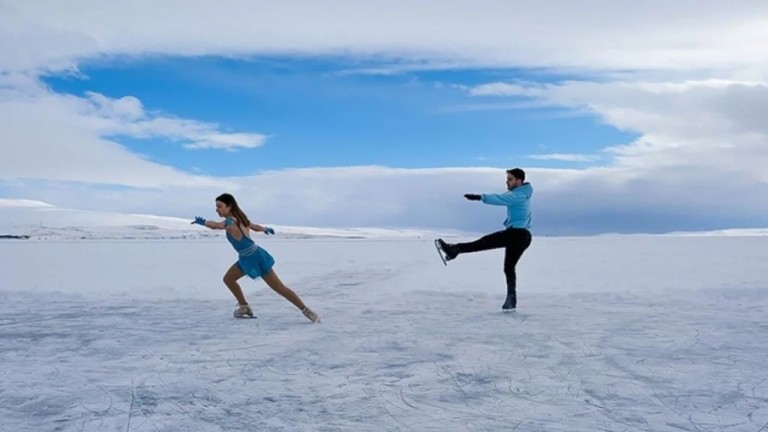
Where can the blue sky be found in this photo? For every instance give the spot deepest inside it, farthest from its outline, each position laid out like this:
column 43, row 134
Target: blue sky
column 327, row 112
column 627, row 117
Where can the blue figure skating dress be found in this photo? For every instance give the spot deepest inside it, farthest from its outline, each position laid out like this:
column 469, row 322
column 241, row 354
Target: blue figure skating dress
column 253, row 260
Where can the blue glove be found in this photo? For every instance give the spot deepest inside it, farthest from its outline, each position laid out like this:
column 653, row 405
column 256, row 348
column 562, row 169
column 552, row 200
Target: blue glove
column 269, row 231
column 198, row 220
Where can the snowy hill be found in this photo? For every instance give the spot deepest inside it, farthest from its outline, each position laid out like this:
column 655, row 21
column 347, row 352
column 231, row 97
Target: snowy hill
column 736, row 232
column 38, row 220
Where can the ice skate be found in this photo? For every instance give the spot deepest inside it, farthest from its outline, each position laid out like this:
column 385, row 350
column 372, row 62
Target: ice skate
column 447, row 251
column 243, row 311
column 510, row 303
column 311, row 315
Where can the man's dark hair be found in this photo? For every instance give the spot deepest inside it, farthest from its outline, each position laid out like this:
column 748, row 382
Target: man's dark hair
column 517, row 173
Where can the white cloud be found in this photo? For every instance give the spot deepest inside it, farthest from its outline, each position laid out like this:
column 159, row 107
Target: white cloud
column 512, row 106
column 196, row 135
column 126, row 116
column 690, row 82
column 687, row 127
column 127, row 108
column 505, row 89
column 66, row 138
column 566, row 157
column 592, row 35
column 700, row 155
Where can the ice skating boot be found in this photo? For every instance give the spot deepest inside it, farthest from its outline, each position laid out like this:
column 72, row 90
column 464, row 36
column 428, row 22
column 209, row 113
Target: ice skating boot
column 510, row 303
column 311, row 315
column 449, row 250
column 243, row 311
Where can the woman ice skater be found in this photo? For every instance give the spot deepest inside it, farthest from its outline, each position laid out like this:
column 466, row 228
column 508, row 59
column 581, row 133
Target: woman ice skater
column 253, row 260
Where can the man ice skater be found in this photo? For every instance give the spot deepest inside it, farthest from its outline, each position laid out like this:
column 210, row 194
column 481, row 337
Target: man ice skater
column 515, row 238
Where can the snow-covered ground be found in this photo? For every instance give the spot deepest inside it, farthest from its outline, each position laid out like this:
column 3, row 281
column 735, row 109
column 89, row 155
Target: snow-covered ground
column 613, row 333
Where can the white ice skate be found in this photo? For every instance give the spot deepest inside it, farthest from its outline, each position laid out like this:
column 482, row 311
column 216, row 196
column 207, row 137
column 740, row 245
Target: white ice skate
column 311, row 315
column 244, row 311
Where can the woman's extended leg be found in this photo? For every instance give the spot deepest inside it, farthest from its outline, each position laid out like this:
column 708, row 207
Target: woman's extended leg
column 279, row 287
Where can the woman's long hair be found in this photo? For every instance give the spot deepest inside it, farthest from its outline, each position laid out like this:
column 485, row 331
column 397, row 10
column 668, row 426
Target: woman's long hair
column 238, row 214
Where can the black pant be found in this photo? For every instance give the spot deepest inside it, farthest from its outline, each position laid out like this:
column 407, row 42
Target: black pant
column 514, row 240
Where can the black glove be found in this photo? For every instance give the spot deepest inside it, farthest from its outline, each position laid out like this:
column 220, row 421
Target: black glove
column 473, row 197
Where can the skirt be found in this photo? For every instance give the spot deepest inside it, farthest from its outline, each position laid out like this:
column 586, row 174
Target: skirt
column 256, row 264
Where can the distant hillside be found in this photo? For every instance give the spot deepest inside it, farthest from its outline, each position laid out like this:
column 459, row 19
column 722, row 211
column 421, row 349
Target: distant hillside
column 735, row 232
column 36, row 220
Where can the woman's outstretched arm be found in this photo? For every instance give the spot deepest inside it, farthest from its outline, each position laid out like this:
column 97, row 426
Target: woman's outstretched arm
column 208, row 224
column 261, row 228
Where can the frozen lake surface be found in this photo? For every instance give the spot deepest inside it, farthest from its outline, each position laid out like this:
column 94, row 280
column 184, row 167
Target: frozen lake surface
column 625, row 333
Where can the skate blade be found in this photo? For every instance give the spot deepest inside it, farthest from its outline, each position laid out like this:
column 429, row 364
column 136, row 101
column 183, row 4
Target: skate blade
column 440, row 253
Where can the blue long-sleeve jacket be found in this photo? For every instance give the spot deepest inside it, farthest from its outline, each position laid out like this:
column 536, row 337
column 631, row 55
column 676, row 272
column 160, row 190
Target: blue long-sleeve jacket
column 518, row 202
